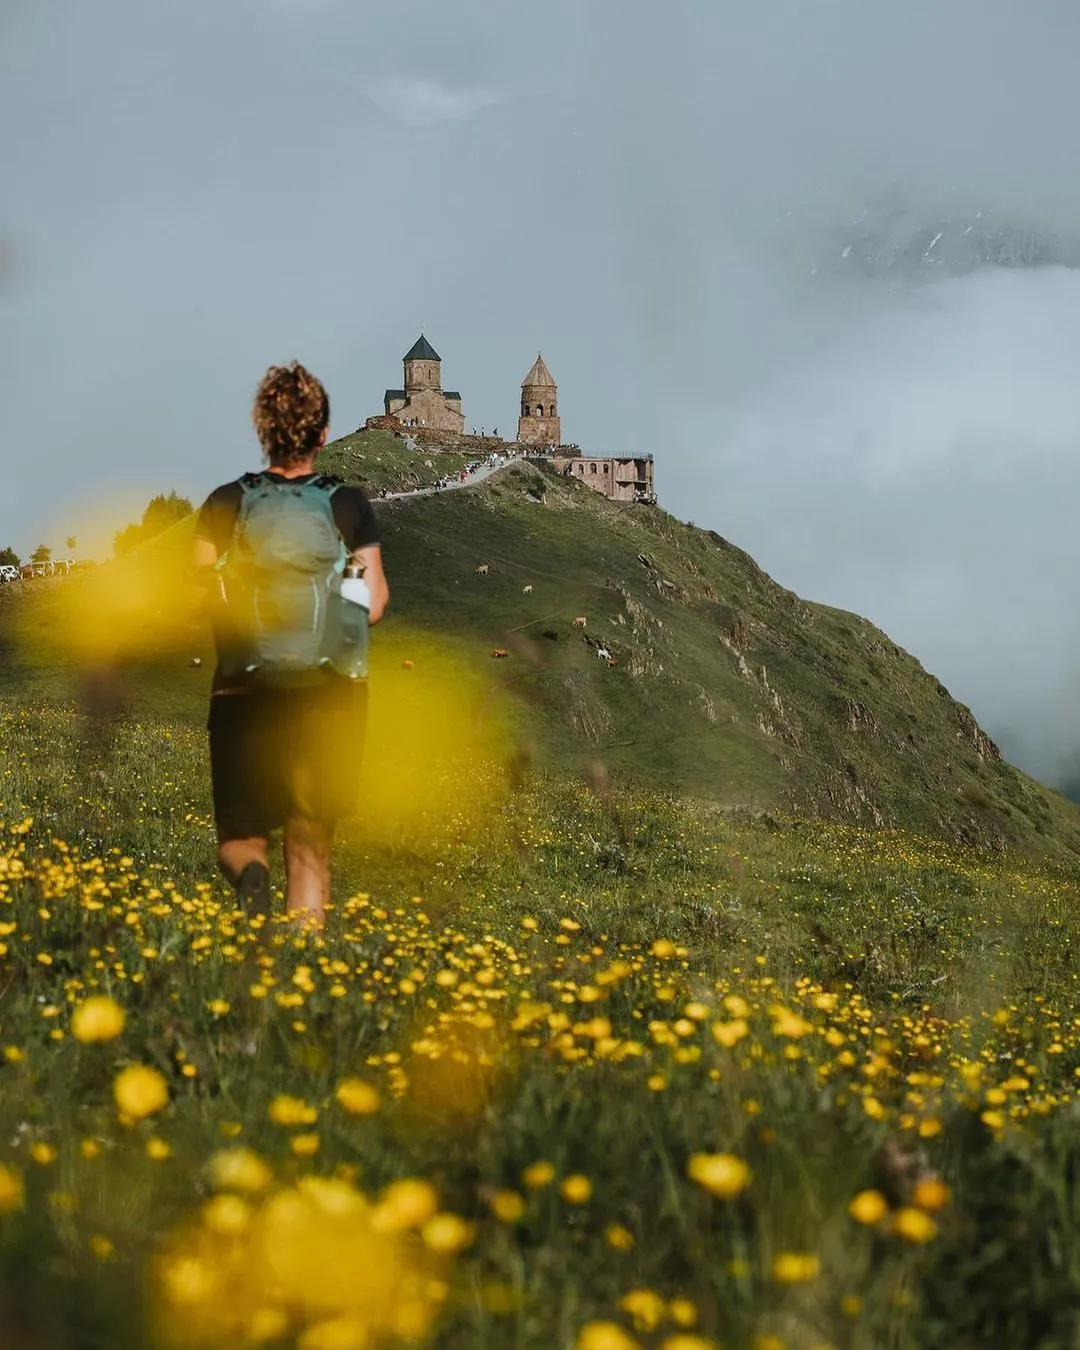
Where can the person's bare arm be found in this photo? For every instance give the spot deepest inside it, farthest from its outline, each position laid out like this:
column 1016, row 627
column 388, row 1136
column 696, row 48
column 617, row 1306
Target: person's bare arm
column 203, row 557
column 370, row 559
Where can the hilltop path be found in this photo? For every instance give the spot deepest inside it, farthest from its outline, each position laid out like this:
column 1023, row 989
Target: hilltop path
column 477, row 476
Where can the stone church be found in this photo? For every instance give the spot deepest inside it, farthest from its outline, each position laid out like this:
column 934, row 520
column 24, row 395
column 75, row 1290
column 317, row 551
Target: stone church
column 538, row 424
column 423, row 402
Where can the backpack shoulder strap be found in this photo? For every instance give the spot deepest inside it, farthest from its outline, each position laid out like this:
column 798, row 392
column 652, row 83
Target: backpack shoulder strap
column 328, row 483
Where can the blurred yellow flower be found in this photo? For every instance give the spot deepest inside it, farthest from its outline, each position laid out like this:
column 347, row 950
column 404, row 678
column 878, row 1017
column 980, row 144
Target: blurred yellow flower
column 139, row 1091
column 11, row 1190
column 97, row 1019
column 538, row 1175
column 663, row 948
column 788, row 1023
column 914, row 1225
column 403, row 1205
column 685, row 1340
column 682, row 1312
column 619, row 1238
column 157, row 1149
column 43, row 1154
column 357, row 1097
column 290, row 1111
column 930, row 1195
column 645, row 1306
column 576, row 1189
column 507, row 1206
column 226, row 1214
column 447, row 1233
column 239, row 1169
column 304, row 1145
column 795, row 1267
column 722, row 1174
column 868, row 1207
column 728, row 1034
column 605, row 1336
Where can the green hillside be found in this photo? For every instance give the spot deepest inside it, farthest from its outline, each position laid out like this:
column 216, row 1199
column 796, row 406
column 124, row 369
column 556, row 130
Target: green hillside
column 721, row 684
column 725, row 685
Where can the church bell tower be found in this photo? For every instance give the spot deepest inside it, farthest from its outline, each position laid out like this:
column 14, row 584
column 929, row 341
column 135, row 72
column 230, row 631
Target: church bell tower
column 538, row 424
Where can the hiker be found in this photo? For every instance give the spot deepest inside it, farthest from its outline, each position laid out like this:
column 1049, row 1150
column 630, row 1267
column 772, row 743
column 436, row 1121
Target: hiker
column 289, row 697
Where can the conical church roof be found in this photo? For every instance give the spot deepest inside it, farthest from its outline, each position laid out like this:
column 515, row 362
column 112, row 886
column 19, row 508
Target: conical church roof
column 539, row 375
column 422, row 350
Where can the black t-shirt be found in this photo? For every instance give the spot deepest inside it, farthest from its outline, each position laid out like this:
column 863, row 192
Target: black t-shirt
column 216, row 521
column 353, row 513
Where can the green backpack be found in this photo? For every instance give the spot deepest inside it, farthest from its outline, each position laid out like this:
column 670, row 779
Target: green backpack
column 281, row 577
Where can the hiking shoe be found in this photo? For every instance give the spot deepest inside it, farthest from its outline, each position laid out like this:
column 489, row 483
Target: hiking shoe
column 253, row 890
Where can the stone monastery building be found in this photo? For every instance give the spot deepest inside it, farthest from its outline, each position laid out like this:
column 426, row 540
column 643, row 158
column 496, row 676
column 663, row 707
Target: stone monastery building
column 539, row 421
column 424, row 403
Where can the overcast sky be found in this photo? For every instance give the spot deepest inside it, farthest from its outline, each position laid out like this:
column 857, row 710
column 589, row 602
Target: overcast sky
column 716, row 221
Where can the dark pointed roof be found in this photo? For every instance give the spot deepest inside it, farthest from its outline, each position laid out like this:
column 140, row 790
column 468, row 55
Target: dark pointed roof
column 422, row 350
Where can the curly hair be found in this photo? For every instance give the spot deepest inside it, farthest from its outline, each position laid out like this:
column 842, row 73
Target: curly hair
column 291, row 413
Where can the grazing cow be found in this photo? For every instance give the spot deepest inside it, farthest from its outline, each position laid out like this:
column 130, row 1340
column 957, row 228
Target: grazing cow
column 611, row 661
column 482, row 570
column 406, row 665
column 603, row 654
column 579, row 622
column 526, row 590
column 499, row 651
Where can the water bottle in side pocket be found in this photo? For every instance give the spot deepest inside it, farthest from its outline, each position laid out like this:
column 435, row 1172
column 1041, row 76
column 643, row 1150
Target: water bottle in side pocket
column 356, row 602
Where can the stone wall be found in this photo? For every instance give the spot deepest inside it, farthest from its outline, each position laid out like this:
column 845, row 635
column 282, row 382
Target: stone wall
column 429, row 409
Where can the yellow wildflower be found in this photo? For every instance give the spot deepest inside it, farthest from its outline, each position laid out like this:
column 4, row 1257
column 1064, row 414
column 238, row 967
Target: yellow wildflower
column 914, row 1225
column 576, row 1189
column 645, row 1306
column 868, row 1207
column 538, row 1175
column 795, row 1267
column 617, row 1237
column 139, row 1091
column 447, row 1233
column 507, row 1206
column 930, row 1195
column 239, row 1169
column 11, row 1190
column 404, row 1204
column 605, row 1336
column 97, row 1019
column 722, row 1174
column 289, row 1111
column 357, row 1097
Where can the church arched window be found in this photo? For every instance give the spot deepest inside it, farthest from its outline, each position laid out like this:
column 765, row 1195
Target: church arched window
column 524, row 410
column 539, row 410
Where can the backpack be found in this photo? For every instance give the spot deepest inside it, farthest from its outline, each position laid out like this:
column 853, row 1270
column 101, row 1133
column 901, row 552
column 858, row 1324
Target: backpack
column 281, row 578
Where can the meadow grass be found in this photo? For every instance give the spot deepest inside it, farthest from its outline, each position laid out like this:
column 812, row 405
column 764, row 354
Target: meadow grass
column 637, row 1057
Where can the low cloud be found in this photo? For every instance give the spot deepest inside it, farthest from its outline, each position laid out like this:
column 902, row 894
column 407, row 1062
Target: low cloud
column 420, row 101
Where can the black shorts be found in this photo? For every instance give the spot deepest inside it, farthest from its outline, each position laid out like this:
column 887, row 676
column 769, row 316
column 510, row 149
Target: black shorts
column 281, row 753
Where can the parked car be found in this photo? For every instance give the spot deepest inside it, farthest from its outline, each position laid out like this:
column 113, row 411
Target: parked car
column 9, row 572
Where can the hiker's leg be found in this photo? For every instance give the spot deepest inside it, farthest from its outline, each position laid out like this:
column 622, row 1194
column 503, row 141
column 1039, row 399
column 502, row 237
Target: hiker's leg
column 235, row 854
column 307, row 868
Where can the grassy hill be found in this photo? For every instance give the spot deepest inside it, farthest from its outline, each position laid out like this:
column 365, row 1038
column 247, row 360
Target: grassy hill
column 721, row 684
column 674, row 1076
column 725, row 685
